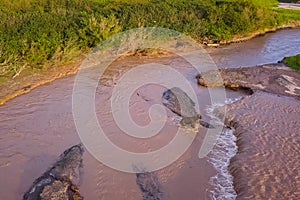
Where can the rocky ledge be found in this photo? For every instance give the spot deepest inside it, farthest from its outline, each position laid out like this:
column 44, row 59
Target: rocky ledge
column 274, row 78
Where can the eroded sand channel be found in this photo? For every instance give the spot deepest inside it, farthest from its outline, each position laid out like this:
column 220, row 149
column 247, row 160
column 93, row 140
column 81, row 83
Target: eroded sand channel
column 267, row 163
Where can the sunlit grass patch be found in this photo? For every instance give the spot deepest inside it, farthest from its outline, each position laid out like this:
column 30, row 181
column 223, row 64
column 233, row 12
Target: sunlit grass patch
column 293, row 62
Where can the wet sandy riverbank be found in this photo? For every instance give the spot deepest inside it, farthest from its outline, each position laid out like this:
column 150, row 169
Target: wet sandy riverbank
column 267, row 125
column 28, row 80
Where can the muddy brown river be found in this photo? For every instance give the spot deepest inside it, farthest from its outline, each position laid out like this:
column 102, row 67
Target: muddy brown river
column 35, row 128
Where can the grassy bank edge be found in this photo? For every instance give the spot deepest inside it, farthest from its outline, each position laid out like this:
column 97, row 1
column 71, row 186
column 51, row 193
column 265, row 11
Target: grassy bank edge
column 27, row 82
column 243, row 38
column 293, row 62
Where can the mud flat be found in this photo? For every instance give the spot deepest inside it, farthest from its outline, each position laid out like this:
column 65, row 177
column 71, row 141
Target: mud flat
column 266, row 123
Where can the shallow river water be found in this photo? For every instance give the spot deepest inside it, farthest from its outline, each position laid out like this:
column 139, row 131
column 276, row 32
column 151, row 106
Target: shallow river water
column 35, row 128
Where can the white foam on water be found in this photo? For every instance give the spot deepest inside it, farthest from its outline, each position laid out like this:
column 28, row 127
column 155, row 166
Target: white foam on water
column 176, row 119
column 231, row 101
column 220, row 156
column 224, row 149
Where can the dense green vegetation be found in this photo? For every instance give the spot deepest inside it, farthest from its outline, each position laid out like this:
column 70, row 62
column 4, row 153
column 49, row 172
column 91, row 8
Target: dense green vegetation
column 42, row 33
column 293, row 62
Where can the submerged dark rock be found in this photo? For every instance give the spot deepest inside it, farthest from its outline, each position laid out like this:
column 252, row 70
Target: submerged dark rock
column 205, row 124
column 149, row 185
column 56, row 183
column 180, row 103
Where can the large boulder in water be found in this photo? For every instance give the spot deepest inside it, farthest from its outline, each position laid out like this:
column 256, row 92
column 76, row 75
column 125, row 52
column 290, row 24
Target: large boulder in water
column 180, row 103
column 56, row 183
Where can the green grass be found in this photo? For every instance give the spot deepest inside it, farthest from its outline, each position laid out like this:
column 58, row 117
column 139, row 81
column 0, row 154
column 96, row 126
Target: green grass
column 293, row 62
column 287, row 15
column 39, row 34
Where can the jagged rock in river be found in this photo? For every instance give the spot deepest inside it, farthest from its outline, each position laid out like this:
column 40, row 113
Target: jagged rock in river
column 180, row 103
column 56, row 183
